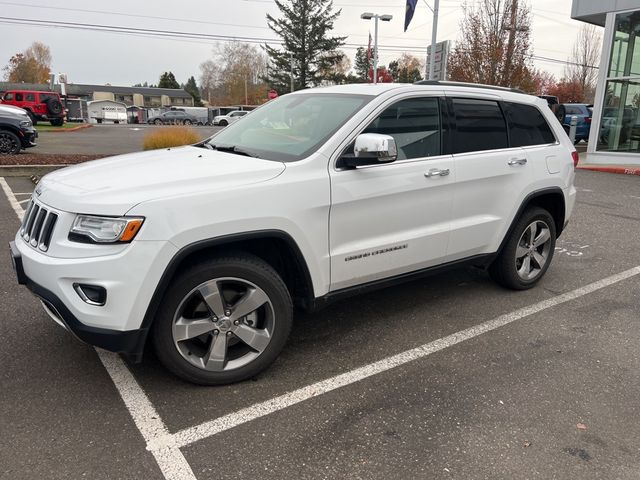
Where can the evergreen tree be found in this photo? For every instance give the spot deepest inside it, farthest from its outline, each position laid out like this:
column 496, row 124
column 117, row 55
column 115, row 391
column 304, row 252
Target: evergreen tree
column 192, row 89
column 304, row 27
column 168, row 80
column 362, row 64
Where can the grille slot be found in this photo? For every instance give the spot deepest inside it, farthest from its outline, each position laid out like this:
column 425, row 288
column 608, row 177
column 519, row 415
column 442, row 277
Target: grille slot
column 38, row 225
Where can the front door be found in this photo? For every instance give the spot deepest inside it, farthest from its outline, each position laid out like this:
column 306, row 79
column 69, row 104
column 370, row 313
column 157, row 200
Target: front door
column 390, row 219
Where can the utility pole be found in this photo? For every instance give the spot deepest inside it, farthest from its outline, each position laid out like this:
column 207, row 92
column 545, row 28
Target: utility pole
column 384, row 18
column 246, row 96
column 510, row 42
column 434, row 39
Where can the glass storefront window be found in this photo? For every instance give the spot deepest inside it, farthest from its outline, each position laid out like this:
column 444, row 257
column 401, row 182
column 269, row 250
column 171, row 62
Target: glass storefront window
column 620, row 120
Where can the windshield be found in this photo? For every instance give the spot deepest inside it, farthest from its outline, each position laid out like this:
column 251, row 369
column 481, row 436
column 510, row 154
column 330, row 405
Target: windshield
column 291, row 127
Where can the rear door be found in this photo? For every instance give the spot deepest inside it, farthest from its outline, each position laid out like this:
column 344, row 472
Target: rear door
column 491, row 176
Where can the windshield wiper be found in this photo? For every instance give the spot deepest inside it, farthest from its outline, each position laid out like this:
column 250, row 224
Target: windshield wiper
column 233, row 149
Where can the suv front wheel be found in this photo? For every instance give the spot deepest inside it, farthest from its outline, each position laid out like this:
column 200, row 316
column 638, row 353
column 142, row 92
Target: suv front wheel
column 223, row 321
column 528, row 252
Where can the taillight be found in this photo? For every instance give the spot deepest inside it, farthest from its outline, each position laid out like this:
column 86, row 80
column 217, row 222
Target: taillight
column 588, row 119
column 575, row 157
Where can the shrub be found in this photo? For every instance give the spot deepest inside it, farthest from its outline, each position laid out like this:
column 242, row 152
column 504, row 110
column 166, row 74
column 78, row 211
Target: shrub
column 166, row 137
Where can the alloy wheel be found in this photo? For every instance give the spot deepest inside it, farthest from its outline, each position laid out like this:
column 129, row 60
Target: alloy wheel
column 223, row 324
column 533, row 250
column 8, row 143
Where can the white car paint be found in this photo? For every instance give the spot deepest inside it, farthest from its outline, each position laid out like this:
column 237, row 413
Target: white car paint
column 230, row 117
column 191, row 194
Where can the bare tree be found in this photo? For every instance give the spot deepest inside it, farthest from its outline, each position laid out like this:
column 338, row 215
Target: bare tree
column 494, row 45
column 582, row 68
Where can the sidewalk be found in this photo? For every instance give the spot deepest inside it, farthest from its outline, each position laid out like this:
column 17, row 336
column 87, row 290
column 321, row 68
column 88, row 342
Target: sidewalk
column 608, row 168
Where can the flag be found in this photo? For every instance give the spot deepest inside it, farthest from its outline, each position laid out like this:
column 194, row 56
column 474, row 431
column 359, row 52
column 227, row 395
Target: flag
column 370, row 49
column 411, row 8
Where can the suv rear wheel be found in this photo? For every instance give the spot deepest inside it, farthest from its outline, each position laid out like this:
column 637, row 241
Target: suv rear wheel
column 9, row 142
column 57, row 122
column 223, row 321
column 528, row 252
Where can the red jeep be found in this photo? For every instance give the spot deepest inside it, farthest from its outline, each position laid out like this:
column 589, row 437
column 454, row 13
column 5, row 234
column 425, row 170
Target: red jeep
column 39, row 105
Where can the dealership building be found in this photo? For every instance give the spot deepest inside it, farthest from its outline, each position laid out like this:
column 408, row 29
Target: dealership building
column 615, row 128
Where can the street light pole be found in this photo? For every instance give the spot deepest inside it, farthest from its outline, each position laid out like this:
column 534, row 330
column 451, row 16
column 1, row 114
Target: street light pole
column 384, row 18
column 434, row 39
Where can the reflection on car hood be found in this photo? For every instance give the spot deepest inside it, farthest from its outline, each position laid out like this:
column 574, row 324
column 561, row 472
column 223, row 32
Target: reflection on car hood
column 112, row 186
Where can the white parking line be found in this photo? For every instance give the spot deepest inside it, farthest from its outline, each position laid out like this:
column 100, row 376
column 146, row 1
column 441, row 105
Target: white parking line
column 171, row 461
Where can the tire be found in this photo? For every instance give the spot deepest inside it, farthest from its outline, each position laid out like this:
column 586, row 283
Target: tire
column 34, row 119
column 187, row 122
column 223, row 123
column 54, row 106
column 57, row 122
column 157, row 122
column 510, row 269
column 9, row 143
column 184, row 313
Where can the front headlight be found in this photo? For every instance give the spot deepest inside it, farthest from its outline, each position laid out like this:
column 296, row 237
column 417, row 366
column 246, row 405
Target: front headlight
column 93, row 229
column 26, row 123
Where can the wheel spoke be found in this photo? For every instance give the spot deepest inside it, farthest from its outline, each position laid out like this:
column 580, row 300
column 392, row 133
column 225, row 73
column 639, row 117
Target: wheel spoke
column 525, row 268
column 256, row 338
column 212, row 296
column 250, row 302
column 543, row 237
column 539, row 259
column 185, row 329
column 532, row 232
column 216, row 357
column 521, row 251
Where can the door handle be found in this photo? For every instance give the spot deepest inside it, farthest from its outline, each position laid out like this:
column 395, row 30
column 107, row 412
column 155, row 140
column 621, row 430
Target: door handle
column 517, row 161
column 436, row 172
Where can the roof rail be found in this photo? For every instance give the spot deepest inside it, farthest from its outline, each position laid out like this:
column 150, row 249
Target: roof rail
column 465, row 84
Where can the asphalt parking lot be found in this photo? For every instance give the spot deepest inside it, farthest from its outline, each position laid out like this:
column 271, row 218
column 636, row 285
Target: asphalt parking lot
column 447, row 377
column 103, row 139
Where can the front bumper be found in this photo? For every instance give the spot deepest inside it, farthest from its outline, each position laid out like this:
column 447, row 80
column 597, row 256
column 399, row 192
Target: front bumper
column 29, row 138
column 130, row 342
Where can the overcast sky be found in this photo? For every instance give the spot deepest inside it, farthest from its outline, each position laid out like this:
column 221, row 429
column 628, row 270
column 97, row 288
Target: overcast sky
column 118, row 59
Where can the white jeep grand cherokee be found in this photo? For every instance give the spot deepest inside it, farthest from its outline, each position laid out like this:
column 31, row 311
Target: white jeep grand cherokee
column 206, row 249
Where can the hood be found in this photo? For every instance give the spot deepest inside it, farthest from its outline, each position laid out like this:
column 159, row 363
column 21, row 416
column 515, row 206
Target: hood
column 112, row 186
column 11, row 110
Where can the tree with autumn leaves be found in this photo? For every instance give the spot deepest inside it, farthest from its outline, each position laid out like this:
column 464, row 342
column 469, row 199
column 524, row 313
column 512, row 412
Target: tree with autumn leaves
column 30, row 66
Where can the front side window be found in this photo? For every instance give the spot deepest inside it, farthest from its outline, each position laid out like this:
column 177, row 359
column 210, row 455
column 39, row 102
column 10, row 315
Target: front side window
column 290, row 127
column 414, row 124
column 480, row 126
column 8, row 97
column 31, row 97
column 527, row 126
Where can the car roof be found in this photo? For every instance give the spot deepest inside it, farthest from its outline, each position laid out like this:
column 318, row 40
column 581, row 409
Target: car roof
column 467, row 89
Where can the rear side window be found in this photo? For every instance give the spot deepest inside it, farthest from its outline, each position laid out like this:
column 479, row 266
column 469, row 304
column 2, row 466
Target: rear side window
column 31, row 97
column 527, row 126
column 19, row 97
column 480, row 126
column 414, row 123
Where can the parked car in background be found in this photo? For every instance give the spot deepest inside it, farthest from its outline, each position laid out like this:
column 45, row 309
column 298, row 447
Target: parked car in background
column 224, row 120
column 583, row 111
column 173, row 117
column 16, row 130
column 45, row 106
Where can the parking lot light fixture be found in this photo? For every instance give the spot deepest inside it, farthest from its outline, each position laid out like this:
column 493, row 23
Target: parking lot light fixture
column 384, row 18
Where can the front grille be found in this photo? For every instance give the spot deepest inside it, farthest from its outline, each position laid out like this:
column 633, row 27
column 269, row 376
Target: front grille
column 37, row 226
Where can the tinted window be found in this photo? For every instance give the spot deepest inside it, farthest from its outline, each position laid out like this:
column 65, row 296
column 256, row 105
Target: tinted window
column 414, row 124
column 527, row 126
column 31, row 97
column 573, row 110
column 18, row 97
column 8, row 96
column 480, row 126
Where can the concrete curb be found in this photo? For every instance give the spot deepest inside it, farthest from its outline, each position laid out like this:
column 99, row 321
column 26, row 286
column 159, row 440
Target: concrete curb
column 27, row 170
column 611, row 169
column 67, row 130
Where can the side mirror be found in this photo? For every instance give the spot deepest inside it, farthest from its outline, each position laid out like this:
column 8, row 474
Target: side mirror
column 370, row 149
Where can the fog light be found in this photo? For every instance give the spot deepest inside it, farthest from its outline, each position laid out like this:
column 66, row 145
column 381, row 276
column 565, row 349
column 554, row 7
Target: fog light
column 91, row 294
